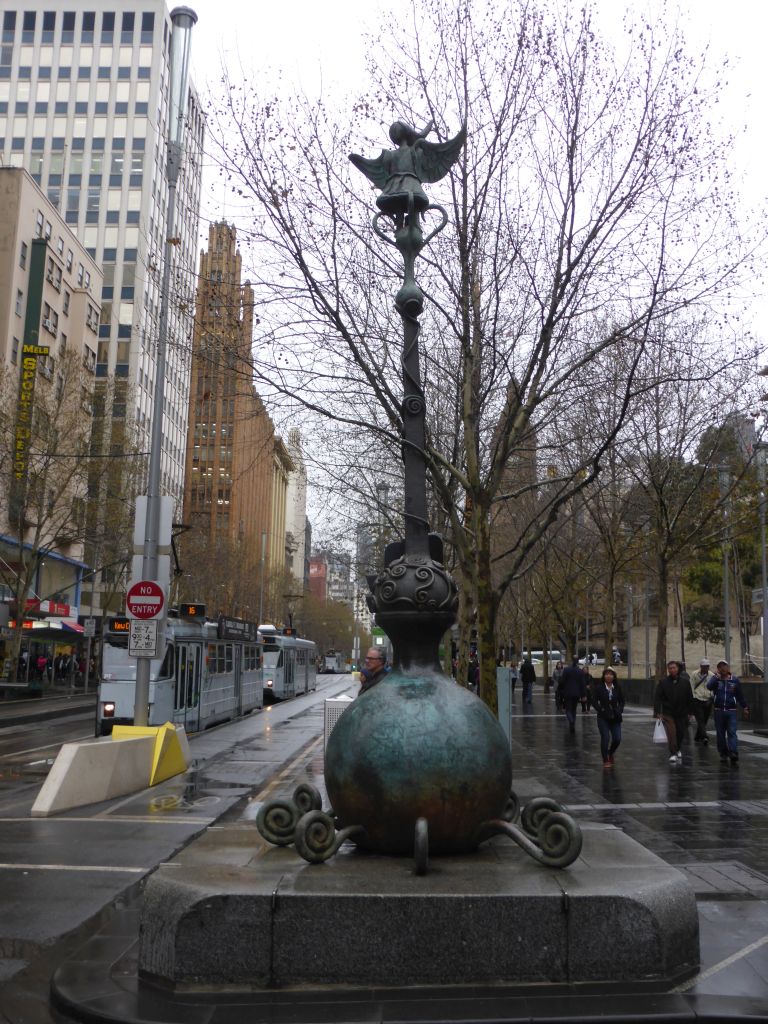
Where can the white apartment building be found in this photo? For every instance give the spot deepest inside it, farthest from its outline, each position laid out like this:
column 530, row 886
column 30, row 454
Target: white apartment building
column 296, row 512
column 83, row 107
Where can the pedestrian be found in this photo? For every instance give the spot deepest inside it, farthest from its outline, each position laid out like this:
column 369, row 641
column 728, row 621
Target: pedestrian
column 557, row 675
column 473, row 670
column 374, row 669
column 527, row 678
column 727, row 695
column 513, row 674
column 571, row 690
column 672, row 706
column 702, row 700
column 586, row 700
column 608, row 702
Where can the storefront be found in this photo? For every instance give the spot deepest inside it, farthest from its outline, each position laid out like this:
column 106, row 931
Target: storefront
column 52, row 652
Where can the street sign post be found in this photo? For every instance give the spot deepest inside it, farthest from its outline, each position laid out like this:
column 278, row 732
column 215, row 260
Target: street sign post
column 145, row 600
column 142, row 641
column 89, row 628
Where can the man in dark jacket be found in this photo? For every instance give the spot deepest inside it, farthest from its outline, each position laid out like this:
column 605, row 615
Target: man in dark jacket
column 572, row 689
column 374, row 669
column 728, row 694
column 672, row 705
column 527, row 678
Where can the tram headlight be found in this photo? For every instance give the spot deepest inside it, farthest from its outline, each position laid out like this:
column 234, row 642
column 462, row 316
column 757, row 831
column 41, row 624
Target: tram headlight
column 109, row 709
column 269, row 682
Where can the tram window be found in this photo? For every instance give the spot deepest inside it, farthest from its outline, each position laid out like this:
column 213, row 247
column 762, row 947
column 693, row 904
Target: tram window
column 168, row 668
column 250, row 658
column 301, row 657
column 181, row 680
column 228, row 664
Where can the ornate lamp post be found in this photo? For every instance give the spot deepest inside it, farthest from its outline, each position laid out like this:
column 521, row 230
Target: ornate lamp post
column 416, row 762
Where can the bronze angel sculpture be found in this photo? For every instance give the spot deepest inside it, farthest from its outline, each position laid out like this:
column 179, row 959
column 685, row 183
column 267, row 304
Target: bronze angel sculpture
column 399, row 173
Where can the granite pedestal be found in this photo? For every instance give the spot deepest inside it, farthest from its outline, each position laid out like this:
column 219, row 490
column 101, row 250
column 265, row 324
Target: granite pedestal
column 268, row 919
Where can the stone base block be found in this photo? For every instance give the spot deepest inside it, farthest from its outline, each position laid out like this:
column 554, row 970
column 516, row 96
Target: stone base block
column 618, row 914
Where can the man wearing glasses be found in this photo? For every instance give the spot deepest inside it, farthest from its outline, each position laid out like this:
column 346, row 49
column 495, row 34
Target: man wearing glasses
column 374, row 670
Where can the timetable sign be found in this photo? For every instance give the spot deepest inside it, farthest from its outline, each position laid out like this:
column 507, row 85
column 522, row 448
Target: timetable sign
column 142, row 641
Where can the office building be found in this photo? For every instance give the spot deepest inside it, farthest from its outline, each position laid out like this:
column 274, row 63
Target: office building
column 237, row 471
column 50, row 290
column 83, row 107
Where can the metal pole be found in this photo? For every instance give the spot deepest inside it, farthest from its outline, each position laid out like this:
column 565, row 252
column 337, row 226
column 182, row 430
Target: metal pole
column 183, row 19
column 261, row 584
column 629, row 632
column 647, row 630
column 764, row 573
column 724, row 485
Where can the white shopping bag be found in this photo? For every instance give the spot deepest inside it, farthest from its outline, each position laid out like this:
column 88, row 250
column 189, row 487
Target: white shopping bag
column 659, row 732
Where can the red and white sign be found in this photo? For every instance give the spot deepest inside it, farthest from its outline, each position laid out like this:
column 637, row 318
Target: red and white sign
column 145, row 600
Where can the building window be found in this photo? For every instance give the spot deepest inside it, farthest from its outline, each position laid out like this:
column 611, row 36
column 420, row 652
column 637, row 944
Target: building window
column 15, row 351
column 28, row 27
column 39, row 224
column 126, row 36
column 68, row 30
column 89, row 23
column 147, row 26
column 23, row 256
column 108, row 27
column 49, row 25
column 66, row 302
column 19, row 302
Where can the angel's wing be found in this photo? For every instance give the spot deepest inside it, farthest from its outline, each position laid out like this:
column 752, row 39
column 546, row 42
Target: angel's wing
column 375, row 170
column 437, row 158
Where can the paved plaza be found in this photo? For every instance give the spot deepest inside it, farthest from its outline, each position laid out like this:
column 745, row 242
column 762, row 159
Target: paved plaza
column 708, row 819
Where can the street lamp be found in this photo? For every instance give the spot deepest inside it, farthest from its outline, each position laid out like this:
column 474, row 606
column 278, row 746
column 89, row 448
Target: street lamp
column 724, row 475
column 183, row 19
column 761, row 446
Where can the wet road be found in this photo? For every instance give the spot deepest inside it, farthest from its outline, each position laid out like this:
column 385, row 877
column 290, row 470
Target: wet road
column 56, row 873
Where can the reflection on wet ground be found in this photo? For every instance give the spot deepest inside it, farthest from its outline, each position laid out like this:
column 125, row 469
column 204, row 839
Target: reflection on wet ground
column 697, row 813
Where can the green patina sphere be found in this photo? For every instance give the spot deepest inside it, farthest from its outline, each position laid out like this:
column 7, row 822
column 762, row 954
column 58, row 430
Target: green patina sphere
column 417, row 747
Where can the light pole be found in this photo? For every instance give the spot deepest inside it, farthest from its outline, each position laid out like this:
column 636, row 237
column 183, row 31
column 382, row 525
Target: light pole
column 761, row 446
column 183, row 19
column 261, row 573
column 725, row 482
column 629, row 631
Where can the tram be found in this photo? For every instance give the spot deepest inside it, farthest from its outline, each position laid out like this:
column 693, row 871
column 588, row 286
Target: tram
column 290, row 666
column 208, row 672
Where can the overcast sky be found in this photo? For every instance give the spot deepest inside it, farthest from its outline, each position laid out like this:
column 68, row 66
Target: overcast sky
column 313, row 47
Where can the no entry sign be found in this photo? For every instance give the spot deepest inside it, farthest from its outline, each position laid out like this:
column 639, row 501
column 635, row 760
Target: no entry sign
column 145, row 600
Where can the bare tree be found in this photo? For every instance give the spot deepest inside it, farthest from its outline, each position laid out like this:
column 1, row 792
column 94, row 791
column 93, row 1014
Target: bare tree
column 591, row 202
column 673, row 452
column 44, row 507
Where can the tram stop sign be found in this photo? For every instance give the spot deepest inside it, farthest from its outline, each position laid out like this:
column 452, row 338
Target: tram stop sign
column 145, row 600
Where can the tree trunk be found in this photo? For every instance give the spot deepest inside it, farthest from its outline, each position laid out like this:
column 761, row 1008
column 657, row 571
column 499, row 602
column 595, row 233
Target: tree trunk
column 609, row 613
column 486, row 618
column 662, row 582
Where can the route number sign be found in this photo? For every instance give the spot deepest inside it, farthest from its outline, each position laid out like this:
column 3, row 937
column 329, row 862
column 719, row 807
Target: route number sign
column 145, row 600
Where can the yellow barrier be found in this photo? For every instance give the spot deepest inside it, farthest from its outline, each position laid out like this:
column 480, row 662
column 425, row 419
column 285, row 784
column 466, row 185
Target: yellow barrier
column 168, row 757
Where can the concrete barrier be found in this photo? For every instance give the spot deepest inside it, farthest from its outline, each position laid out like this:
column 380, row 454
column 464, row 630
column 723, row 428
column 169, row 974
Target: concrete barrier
column 96, row 770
